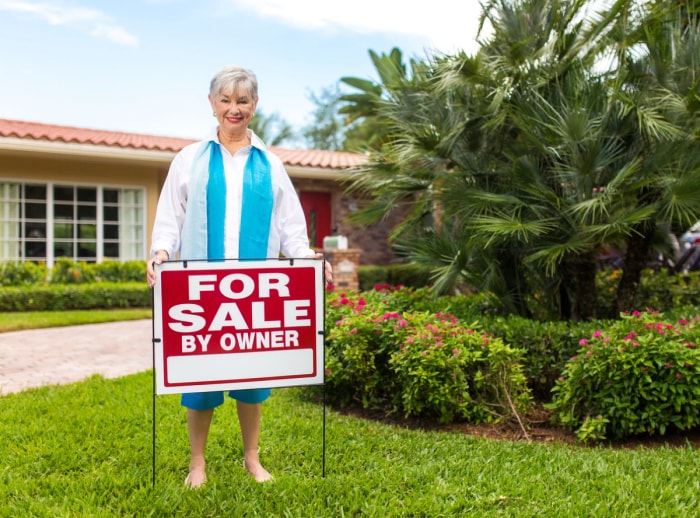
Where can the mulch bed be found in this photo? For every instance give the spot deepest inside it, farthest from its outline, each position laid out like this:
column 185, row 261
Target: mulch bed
column 538, row 430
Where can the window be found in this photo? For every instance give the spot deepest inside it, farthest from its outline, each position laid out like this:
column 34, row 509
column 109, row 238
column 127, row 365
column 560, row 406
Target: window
column 42, row 222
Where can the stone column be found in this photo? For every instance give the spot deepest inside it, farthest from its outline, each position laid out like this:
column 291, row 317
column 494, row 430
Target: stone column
column 344, row 263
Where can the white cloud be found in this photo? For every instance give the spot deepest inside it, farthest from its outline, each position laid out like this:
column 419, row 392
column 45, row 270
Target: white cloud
column 447, row 25
column 57, row 13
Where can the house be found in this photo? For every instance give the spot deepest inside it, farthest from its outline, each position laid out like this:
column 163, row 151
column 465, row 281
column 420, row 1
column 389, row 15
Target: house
column 91, row 195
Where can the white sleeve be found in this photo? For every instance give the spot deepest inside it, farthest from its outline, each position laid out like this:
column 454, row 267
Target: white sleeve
column 170, row 213
column 290, row 221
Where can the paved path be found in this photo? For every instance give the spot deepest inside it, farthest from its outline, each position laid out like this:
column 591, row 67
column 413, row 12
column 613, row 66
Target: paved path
column 67, row 354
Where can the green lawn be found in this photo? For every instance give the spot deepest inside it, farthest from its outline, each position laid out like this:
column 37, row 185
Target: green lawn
column 84, row 450
column 41, row 319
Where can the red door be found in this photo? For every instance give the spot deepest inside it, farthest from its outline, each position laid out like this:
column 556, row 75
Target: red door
column 317, row 211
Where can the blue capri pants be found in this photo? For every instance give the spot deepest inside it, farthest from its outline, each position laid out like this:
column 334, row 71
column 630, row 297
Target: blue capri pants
column 209, row 400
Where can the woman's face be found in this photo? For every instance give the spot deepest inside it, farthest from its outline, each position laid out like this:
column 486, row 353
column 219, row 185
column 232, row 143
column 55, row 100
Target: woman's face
column 233, row 109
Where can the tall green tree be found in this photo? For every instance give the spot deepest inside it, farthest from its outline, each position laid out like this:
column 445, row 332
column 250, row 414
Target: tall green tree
column 327, row 129
column 570, row 131
column 272, row 129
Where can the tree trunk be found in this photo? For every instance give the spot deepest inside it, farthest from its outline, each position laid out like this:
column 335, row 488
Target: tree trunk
column 636, row 259
column 581, row 271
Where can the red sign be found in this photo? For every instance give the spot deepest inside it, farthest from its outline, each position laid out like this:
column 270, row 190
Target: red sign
column 238, row 325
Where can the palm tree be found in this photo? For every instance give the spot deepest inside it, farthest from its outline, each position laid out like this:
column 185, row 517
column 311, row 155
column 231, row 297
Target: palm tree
column 518, row 164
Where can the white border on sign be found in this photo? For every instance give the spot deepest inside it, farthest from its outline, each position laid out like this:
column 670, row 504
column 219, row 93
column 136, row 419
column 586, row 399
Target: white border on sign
column 283, row 368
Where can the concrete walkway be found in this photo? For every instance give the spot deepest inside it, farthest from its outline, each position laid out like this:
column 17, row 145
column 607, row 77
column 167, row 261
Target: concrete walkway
column 67, row 354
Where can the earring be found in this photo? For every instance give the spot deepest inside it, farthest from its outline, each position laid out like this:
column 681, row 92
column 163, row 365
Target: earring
column 214, row 114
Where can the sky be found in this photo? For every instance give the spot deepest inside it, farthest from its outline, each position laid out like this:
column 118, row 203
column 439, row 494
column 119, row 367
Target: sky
column 144, row 66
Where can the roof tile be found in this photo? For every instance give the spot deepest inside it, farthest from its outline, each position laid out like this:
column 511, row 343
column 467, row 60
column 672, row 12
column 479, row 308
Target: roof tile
column 53, row 133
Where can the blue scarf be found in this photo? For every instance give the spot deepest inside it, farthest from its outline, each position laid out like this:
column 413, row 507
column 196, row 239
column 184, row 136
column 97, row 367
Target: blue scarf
column 205, row 213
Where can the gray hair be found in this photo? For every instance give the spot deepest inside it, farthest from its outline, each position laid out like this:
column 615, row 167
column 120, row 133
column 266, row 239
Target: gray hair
column 234, row 78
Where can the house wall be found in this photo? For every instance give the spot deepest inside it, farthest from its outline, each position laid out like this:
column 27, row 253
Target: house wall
column 90, row 172
column 371, row 240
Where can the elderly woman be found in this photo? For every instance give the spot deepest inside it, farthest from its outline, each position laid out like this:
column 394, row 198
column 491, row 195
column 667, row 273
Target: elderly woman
column 228, row 197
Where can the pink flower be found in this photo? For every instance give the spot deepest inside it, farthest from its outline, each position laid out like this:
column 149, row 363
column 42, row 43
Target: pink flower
column 402, row 323
column 455, row 352
column 597, row 334
column 679, row 375
column 668, row 365
column 354, row 330
column 582, row 341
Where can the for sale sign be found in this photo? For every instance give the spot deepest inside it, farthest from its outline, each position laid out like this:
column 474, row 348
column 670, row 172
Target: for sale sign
column 238, row 325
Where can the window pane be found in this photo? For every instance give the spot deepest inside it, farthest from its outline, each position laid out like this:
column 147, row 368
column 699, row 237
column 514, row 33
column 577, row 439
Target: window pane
column 111, row 213
column 35, row 231
column 111, row 250
column 111, row 231
column 110, row 196
column 63, row 249
column 88, row 212
column 35, row 210
column 87, row 231
column 63, row 230
column 63, row 212
column 63, row 193
column 35, row 192
column 87, row 250
column 35, row 250
column 85, row 194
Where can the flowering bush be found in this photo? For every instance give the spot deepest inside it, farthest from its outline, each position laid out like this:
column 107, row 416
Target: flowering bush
column 417, row 363
column 639, row 376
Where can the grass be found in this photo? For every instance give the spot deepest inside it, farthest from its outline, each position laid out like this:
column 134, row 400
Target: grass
column 85, row 450
column 42, row 319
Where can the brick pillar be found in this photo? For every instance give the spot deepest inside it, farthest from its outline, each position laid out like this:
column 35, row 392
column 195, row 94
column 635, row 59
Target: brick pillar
column 344, row 263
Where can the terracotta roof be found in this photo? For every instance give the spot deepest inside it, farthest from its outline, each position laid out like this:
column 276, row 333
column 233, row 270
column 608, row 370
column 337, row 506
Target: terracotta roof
column 68, row 134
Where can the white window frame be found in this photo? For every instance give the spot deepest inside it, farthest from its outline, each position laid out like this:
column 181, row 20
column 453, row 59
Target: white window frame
column 138, row 224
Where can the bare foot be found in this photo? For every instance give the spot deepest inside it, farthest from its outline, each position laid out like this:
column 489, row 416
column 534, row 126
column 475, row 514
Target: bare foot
column 196, row 477
column 255, row 469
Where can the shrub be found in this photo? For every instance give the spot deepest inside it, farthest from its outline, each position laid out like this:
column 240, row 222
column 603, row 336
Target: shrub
column 120, row 271
column 547, row 345
column 396, row 275
column 22, row 273
column 67, row 271
column 417, row 363
column 67, row 297
column 662, row 290
column 639, row 376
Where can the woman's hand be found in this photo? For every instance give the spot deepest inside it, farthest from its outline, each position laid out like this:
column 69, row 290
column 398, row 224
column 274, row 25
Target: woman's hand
column 327, row 266
column 159, row 257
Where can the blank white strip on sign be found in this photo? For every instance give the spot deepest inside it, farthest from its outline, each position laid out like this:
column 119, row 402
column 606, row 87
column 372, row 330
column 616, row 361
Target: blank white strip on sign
column 199, row 368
